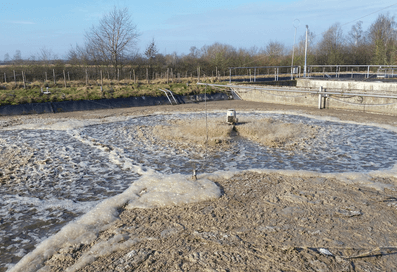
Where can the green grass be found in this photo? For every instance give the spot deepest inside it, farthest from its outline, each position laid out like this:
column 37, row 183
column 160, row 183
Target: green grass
column 11, row 94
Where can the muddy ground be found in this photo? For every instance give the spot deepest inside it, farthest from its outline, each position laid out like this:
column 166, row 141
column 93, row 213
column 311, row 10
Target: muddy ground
column 264, row 221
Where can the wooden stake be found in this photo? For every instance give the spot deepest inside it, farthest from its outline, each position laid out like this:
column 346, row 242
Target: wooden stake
column 133, row 71
column 101, row 79
column 168, row 74
column 86, row 77
column 15, row 78
column 64, row 77
column 45, row 76
column 198, row 74
column 53, row 73
column 24, row 79
column 147, row 75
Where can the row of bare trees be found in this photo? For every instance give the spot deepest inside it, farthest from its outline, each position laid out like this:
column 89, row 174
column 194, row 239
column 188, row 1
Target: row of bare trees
column 112, row 45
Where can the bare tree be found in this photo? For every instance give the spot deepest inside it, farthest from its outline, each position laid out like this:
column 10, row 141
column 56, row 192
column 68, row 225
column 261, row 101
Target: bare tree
column 6, row 57
column 17, row 57
column 46, row 55
column 356, row 34
column 274, row 49
column 383, row 36
column 151, row 50
column 114, row 37
column 218, row 55
column 356, row 45
column 331, row 46
column 194, row 52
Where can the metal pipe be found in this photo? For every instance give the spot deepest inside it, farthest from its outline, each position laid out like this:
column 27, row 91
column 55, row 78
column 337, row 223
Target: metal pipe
column 320, row 98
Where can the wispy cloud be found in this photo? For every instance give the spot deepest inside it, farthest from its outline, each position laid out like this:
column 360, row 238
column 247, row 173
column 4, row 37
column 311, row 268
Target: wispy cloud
column 20, row 22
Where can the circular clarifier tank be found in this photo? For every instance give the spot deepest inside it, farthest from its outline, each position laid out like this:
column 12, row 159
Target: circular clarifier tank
column 55, row 173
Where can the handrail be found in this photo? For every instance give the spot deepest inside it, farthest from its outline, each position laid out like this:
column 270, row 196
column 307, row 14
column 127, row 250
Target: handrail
column 299, row 91
column 235, row 92
column 166, row 95
column 176, row 102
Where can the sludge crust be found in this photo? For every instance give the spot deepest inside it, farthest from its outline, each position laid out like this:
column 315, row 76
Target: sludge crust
column 103, row 160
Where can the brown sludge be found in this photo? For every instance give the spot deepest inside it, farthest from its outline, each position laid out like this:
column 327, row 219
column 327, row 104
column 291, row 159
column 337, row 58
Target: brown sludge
column 262, row 221
column 264, row 131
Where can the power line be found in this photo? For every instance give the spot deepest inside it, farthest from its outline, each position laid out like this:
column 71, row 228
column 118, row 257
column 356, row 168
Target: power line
column 367, row 15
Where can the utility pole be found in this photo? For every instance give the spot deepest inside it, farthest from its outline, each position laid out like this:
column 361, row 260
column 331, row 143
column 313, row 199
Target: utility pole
column 296, row 24
column 304, row 72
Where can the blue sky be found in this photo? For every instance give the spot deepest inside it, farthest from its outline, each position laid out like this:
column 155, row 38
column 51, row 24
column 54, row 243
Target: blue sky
column 177, row 25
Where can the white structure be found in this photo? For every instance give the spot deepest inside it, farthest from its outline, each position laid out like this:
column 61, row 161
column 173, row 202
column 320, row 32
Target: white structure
column 231, row 117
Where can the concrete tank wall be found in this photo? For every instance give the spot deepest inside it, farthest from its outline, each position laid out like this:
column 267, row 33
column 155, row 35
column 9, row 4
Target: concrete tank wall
column 348, row 85
column 356, row 103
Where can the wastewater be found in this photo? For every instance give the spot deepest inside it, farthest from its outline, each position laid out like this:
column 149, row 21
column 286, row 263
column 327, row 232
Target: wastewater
column 53, row 174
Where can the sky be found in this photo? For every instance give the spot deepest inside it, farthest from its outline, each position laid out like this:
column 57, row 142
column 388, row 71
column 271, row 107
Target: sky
column 177, row 25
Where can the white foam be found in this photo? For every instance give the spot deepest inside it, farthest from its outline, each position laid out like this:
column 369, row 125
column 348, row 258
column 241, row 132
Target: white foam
column 66, row 124
column 152, row 190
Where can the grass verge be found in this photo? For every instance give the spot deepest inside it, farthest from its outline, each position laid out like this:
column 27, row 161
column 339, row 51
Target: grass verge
column 15, row 94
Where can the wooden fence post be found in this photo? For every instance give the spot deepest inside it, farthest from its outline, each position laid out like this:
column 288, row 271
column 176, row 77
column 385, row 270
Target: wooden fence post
column 172, row 76
column 24, row 79
column 134, row 76
column 118, row 74
column 15, row 78
column 147, row 75
column 86, row 77
column 68, row 77
column 64, row 77
column 168, row 75
column 53, row 73
column 101, row 79
column 198, row 74
column 45, row 76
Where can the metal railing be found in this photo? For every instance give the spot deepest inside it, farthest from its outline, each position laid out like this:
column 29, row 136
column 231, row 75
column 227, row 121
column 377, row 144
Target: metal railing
column 320, row 91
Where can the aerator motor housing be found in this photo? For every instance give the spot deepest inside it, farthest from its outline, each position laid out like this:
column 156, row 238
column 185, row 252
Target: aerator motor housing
column 231, row 118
